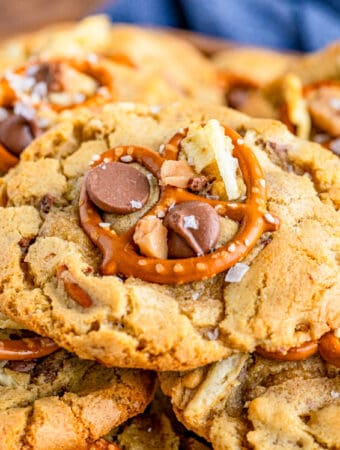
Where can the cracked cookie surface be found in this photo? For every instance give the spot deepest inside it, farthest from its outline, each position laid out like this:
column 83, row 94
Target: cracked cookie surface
column 247, row 401
column 62, row 402
column 286, row 297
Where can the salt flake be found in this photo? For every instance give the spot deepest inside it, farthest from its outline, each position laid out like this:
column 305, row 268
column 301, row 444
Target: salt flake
column 236, row 273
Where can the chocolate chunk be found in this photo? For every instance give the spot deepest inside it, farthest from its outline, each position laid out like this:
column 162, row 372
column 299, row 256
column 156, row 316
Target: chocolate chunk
column 21, row 366
column 199, row 182
column 194, row 228
column 50, row 73
column 117, row 188
column 16, row 133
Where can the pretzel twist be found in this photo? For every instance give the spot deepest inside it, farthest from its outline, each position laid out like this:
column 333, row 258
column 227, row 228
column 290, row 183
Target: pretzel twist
column 119, row 255
column 26, row 348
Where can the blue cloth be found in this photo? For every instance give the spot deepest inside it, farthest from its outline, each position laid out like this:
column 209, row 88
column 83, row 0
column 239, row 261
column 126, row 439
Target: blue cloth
column 285, row 24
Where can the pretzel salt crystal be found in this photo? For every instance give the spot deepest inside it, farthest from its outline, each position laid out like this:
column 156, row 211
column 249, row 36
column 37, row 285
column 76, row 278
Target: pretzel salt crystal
column 26, row 348
column 119, row 255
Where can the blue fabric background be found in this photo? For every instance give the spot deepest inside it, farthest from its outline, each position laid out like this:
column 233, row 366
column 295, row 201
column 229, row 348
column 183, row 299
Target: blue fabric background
column 290, row 24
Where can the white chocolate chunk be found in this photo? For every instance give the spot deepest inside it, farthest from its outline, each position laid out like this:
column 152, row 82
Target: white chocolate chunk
column 208, row 143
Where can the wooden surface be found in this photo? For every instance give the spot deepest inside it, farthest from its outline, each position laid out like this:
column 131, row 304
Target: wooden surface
column 18, row 16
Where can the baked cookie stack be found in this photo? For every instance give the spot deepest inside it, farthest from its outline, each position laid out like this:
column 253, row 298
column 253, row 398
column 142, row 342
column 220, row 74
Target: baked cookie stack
column 169, row 270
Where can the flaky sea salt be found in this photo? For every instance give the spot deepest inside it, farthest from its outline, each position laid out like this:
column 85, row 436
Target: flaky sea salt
column 155, row 109
column 24, row 110
column 236, row 273
column 195, row 296
column 335, row 394
column 40, row 90
column 335, row 103
column 190, row 222
column 136, row 204
column 213, row 334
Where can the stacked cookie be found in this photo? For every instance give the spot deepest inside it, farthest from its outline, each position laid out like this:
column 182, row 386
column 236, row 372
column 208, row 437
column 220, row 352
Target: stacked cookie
column 174, row 238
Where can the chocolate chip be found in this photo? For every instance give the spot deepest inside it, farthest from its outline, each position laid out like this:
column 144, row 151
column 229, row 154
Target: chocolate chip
column 194, row 228
column 16, row 133
column 21, row 366
column 117, row 188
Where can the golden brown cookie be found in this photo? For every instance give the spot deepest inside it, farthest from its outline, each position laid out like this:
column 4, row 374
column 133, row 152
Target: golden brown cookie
column 282, row 294
column 157, row 428
column 59, row 401
column 247, row 401
column 306, row 97
column 89, row 35
column 245, row 69
column 160, row 59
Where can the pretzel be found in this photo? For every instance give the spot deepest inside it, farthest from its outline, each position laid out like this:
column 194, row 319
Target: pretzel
column 119, row 255
column 285, row 118
column 94, row 69
column 305, row 350
column 329, row 348
column 72, row 287
column 8, row 96
column 26, row 348
column 7, row 159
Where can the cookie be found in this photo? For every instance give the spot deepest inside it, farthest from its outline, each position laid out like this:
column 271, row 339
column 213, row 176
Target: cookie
column 34, row 97
column 246, row 401
column 157, row 428
column 244, row 70
column 89, row 35
column 305, row 97
column 134, row 307
column 59, row 401
column 157, row 57
column 178, row 63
